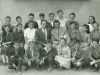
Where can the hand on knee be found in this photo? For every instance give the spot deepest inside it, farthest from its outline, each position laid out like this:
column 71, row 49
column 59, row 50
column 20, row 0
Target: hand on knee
column 78, row 64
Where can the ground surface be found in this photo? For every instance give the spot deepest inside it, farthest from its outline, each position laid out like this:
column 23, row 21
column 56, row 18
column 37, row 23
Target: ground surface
column 5, row 71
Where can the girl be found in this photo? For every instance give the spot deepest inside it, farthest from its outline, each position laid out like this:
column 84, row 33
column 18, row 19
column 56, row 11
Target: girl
column 7, row 41
column 64, row 54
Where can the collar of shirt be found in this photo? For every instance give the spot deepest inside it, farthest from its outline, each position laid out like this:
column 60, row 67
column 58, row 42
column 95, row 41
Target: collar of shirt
column 31, row 49
column 47, row 49
column 43, row 30
column 57, row 30
column 50, row 20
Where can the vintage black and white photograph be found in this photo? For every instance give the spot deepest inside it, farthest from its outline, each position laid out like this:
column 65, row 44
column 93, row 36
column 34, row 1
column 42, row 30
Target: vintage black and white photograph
column 49, row 37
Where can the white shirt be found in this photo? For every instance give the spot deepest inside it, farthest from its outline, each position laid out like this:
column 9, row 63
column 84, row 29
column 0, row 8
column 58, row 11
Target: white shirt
column 45, row 33
column 32, row 51
column 39, row 23
column 90, row 27
column 62, row 21
column 47, row 50
column 30, row 34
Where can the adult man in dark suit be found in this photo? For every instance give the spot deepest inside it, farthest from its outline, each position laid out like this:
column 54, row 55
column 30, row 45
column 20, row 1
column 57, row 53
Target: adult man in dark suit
column 16, row 57
column 57, row 32
column 31, row 18
column 47, row 55
column 42, row 34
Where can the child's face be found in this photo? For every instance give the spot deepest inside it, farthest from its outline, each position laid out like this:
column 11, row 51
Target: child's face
column 48, row 46
column 30, row 25
column 7, row 29
column 16, row 46
column 57, row 25
column 73, row 26
column 31, row 18
column 91, row 20
column 72, row 17
column 62, row 42
column 19, row 27
column 19, row 20
column 42, row 17
column 51, row 17
column 60, row 15
column 8, row 20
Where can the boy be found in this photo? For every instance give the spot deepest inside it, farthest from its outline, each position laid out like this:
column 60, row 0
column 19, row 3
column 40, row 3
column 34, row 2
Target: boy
column 19, row 34
column 94, row 54
column 32, row 56
column 77, row 57
column 51, row 20
column 7, row 20
column 47, row 55
column 42, row 17
column 72, row 18
column 31, row 18
column 16, row 57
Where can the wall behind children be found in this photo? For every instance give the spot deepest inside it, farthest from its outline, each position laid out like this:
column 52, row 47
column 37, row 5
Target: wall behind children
column 82, row 8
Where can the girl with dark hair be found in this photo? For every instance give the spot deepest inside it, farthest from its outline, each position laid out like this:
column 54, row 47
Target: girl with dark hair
column 91, row 22
column 86, row 41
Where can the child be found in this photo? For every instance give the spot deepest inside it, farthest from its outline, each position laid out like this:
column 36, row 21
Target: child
column 42, row 17
column 77, row 58
column 16, row 57
column 7, row 20
column 31, row 18
column 7, row 41
column 32, row 56
column 94, row 54
column 47, row 56
column 19, row 34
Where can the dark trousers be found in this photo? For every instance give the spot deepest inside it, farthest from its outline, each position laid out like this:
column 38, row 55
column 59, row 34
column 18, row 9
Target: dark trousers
column 33, row 63
column 49, row 62
column 17, row 61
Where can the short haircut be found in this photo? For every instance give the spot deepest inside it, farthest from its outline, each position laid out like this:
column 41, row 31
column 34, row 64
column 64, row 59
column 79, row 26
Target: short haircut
column 51, row 14
column 93, row 19
column 72, row 13
column 18, row 17
column 59, row 11
column 96, row 40
column 41, row 15
column 56, row 21
column 48, row 41
column 7, row 17
column 16, row 42
column 43, row 20
column 71, row 22
column 19, row 25
column 31, row 14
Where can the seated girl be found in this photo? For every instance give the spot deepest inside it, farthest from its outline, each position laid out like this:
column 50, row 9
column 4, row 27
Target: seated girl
column 64, row 54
